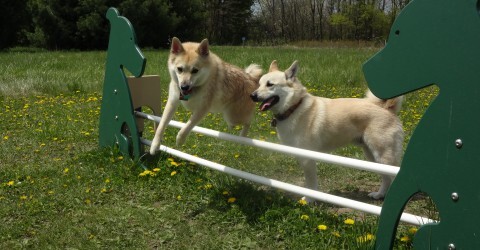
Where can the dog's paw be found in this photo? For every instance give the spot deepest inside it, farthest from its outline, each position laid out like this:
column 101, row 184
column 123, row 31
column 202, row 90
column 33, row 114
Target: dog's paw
column 181, row 138
column 376, row 195
column 153, row 148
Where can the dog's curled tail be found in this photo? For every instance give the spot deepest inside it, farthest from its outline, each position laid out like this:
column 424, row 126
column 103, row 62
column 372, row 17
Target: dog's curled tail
column 255, row 71
column 394, row 105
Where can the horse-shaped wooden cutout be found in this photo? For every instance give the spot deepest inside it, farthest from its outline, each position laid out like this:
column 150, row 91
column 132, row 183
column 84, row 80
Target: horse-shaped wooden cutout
column 436, row 42
column 117, row 118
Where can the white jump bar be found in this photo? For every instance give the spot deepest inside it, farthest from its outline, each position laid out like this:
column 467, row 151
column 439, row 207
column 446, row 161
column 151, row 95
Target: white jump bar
column 318, row 156
column 332, row 199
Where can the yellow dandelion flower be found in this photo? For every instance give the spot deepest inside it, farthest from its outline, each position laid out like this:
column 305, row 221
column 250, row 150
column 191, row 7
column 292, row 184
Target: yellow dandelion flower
column 405, row 239
column 23, row 197
column 236, row 155
column 231, row 200
column 208, row 186
column 365, row 238
column 304, row 217
column 322, row 227
column 302, row 202
column 170, row 159
column 173, row 173
column 156, row 170
column 412, row 230
column 174, row 164
column 120, row 158
column 5, row 137
column 42, row 145
column 107, row 180
column 226, row 193
column 65, row 171
column 104, row 190
column 349, row 222
column 145, row 173
column 273, row 132
column 10, row 183
column 179, row 198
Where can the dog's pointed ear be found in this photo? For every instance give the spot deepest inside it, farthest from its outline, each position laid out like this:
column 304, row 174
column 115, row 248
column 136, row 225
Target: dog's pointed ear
column 273, row 66
column 292, row 71
column 177, row 46
column 203, row 48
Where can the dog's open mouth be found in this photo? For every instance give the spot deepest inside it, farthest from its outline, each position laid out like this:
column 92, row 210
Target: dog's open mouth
column 269, row 102
column 187, row 92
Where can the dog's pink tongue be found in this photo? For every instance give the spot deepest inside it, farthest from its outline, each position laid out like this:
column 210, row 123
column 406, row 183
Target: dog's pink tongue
column 264, row 106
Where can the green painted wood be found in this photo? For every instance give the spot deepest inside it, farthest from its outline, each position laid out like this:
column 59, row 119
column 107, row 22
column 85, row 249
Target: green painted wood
column 435, row 42
column 117, row 118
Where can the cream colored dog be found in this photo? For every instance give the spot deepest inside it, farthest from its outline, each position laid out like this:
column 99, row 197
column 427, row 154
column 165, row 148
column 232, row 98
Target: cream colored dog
column 324, row 124
column 204, row 83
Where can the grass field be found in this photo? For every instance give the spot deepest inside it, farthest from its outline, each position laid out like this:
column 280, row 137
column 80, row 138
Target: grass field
column 59, row 190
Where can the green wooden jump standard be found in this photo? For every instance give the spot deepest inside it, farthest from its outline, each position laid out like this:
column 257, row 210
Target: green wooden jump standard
column 123, row 95
column 435, row 42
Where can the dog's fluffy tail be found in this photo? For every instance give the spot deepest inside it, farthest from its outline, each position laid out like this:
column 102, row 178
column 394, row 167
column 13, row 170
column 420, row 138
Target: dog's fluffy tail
column 255, row 71
column 394, row 104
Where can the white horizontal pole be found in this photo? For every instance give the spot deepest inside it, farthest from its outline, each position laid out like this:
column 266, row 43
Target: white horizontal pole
column 317, row 156
column 332, row 199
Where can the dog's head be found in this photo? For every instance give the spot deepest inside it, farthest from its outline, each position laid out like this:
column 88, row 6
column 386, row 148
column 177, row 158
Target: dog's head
column 279, row 90
column 189, row 64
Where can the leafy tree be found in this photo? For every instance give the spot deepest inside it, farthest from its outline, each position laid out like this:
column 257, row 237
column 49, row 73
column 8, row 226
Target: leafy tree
column 153, row 20
column 227, row 20
column 12, row 20
column 190, row 19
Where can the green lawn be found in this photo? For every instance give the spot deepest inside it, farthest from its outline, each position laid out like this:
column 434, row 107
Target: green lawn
column 59, row 190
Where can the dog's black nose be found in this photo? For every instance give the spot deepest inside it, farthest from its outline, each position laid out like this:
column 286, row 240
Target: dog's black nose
column 254, row 97
column 185, row 87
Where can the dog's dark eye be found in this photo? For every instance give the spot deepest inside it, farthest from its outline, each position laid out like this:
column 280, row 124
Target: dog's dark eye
column 269, row 84
column 180, row 69
column 194, row 71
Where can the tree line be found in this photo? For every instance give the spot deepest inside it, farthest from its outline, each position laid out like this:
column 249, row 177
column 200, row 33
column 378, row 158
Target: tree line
column 81, row 24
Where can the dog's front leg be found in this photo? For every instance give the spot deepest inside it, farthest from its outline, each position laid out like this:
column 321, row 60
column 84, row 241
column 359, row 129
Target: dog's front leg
column 168, row 112
column 196, row 117
column 310, row 172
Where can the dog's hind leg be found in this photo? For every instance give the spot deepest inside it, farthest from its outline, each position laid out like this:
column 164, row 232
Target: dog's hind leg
column 386, row 180
column 239, row 114
column 310, row 172
column 245, row 129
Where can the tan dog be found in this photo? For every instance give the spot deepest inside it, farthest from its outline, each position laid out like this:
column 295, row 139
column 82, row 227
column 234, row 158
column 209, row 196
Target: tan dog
column 324, row 124
column 204, row 83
